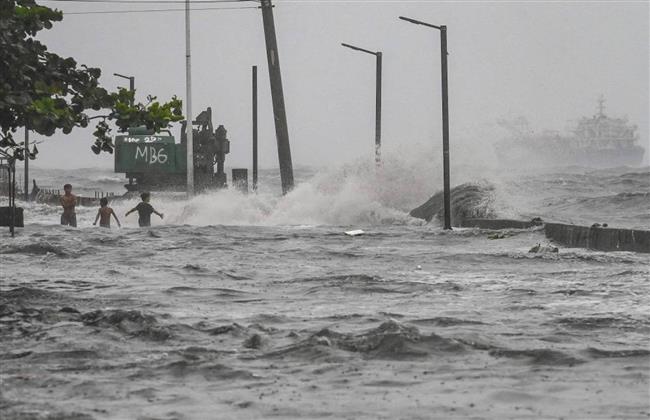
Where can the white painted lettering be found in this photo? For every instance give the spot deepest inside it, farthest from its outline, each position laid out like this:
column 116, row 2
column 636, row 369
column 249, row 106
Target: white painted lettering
column 151, row 155
column 141, row 152
column 162, row 156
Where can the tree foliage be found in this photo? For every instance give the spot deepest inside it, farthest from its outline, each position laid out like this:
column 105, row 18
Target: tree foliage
column 45, row 92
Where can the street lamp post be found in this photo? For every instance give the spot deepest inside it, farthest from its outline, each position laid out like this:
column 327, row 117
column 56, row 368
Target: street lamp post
column 189, row 128
column 378, row 56
column 131, row 80
column 254, row 88
column 445, row 114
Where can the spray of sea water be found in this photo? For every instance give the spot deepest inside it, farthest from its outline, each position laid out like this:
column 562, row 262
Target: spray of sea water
column 250, row 306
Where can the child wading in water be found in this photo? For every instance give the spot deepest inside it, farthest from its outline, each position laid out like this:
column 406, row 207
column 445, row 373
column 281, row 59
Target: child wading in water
column 144, row 210
column 68, row 202
column 104, row 214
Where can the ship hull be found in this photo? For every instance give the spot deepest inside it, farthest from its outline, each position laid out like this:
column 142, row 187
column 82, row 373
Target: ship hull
column 525, row 155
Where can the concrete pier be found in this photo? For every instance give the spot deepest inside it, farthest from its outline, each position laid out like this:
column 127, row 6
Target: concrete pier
column 594, row 237
column 500, row 223
column 599, row 238
column 5, row 217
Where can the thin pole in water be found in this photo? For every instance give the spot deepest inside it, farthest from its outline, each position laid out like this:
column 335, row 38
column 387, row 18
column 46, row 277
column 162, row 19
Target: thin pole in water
column 254, row 128
column 12, row 195
column 378, row 55
column 445, row 115
column 378, row 111
column 26, row 163
column 188, row 105
column 445, row 125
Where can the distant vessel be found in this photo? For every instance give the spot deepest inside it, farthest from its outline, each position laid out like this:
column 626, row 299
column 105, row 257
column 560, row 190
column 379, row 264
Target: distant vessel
column 599, row 141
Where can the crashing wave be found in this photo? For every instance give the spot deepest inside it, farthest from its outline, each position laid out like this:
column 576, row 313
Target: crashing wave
column 470, row 200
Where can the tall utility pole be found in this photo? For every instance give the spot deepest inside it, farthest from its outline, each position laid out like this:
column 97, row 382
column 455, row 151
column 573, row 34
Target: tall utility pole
column 254, row 128
column 445, row 114
column 188, row 104
column 378, row 56
column 445, row 124
column 277, row 95
column 378, row 111
column 26, row 163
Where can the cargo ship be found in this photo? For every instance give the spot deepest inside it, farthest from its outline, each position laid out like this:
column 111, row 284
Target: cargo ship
column 598, row 141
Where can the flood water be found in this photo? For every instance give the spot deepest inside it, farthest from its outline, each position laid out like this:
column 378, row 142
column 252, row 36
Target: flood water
column 257, row 306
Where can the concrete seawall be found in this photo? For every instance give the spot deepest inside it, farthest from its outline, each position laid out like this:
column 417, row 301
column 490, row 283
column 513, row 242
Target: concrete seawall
column 599, row 238
column 595, row 237
column 497, row 224
column 5, row 217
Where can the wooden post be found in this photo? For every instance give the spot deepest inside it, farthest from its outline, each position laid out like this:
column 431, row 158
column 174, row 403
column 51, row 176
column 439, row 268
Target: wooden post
column 277, row 95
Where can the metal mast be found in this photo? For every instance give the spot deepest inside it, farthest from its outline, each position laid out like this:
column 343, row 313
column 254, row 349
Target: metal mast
column 254, row 81
column 445, row 113
column 188, row 104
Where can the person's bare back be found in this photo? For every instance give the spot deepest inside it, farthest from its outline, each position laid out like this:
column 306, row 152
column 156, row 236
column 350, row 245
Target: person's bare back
column 104, row 214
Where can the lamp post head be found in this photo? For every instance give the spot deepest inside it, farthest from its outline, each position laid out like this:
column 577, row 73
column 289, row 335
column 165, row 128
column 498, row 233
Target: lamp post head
column 123, row 76
column 419, row 22
column 352, row 47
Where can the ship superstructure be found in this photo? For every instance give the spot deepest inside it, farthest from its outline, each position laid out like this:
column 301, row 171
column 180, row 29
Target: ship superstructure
column 597, row 141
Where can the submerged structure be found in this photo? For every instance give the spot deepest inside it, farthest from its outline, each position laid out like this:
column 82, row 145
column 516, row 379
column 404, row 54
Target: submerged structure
column 154, row 161
column 599, row 141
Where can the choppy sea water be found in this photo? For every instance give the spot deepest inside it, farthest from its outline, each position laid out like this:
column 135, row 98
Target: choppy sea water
column 259, row 306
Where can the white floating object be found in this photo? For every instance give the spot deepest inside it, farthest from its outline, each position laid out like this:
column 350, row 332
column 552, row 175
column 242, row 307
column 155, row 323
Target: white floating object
column 355, row 232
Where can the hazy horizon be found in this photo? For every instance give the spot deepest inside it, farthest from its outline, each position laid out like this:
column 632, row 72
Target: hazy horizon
column 547, row 61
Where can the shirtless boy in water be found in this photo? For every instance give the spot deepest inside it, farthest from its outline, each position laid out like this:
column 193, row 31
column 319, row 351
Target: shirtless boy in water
column 104, row 214
column 144, row 210
column 68, row 202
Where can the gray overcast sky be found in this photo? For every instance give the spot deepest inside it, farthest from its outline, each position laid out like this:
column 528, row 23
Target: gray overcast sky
column 548, row 61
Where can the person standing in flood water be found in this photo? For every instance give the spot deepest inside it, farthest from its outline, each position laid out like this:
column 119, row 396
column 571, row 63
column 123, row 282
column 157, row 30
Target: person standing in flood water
column 144, row 210
column 68, row 202
column 104, row 214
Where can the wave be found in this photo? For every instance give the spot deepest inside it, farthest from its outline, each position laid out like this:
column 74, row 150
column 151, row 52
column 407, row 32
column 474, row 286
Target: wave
column 624, row 353
column 470, row 200
column 356, row 195
column 617, row 197
column 538, row 356
column 39, row 248
column 129, row 322
column 209, row 371
column 363, row 194
column 443, row 321
column 28, row 293
column 391, row 340
column 593, row 323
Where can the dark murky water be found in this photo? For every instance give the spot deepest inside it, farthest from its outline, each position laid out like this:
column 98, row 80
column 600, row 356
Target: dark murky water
column 248, row 321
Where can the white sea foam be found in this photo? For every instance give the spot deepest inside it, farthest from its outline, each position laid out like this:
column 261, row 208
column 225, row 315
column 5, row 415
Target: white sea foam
column 349, row 195
column 363, row 194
